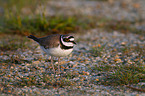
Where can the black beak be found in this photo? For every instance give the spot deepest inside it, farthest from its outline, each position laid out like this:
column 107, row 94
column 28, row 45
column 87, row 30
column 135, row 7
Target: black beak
column 74, row 42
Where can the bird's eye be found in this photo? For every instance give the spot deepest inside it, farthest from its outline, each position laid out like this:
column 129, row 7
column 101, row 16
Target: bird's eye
column 66, row 39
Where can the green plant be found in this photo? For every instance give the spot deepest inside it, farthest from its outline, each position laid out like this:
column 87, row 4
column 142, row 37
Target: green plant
column 125, row 74
column 41, row 25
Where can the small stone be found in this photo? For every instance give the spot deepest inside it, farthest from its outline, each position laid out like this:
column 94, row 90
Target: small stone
column 81, row 61
column 75, row 65
column 79, row 58
column 99, row 45
column 27, row 64
column 87, row 73
column 2, row 88
column 63, row 62
column 123, row 43
column 79, row 87
column 97, row 79
column 117, row 60
column 12, row 67
column 36, row 62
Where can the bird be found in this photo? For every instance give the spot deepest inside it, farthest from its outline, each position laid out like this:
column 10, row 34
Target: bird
column 55, row 45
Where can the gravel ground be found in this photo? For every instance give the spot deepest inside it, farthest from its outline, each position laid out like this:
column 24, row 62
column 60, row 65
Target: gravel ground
column 78, row 64
column 30, row 64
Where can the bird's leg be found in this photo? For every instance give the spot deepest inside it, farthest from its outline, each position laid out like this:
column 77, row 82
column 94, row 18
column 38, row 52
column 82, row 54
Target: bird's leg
column 52, row 64
column 58, row 64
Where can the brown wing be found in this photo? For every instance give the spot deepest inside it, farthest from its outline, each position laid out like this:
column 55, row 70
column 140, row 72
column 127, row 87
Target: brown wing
column 50, row 41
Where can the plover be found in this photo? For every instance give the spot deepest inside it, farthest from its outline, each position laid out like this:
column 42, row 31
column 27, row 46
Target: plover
column 55, row 45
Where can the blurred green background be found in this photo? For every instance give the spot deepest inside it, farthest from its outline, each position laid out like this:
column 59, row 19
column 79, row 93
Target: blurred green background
column 25, row 17
column 20, row 17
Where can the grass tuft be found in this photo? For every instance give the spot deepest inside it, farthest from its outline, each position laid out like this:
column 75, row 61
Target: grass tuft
column 119, row 70
column 42, row 25
column 125, row 74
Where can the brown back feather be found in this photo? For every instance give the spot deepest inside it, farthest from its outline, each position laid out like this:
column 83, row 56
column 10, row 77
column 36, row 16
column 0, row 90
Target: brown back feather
column 50, row 41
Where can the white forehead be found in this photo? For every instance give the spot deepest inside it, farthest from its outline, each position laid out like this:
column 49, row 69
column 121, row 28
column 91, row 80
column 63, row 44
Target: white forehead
column 71, row 39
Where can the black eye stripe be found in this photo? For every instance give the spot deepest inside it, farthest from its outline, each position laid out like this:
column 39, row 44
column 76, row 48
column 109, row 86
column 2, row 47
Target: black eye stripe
column 70, row 37
column 65, row 39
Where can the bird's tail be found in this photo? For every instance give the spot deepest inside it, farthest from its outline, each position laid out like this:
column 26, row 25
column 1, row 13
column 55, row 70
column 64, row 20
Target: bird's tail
column 33, row 37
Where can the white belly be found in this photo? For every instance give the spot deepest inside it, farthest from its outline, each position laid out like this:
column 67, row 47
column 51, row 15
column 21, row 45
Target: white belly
column 57, row 52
